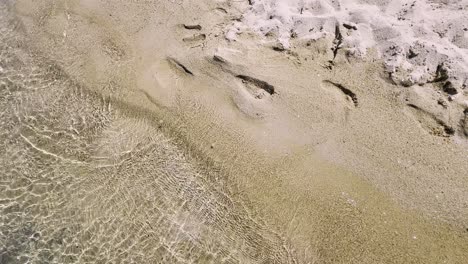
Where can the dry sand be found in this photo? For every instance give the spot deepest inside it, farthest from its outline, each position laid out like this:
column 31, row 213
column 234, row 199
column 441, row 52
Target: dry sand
column 135, row 132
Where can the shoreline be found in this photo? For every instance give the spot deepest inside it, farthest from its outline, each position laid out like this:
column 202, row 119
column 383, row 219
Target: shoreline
column 295, row 161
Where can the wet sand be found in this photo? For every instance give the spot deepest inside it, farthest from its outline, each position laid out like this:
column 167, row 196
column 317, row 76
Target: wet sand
column 131, row 138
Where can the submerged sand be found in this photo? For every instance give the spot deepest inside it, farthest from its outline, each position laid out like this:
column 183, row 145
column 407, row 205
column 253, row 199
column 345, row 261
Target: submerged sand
column 135, row 132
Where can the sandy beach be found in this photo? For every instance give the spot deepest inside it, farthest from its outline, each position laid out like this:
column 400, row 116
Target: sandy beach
column 233, row 131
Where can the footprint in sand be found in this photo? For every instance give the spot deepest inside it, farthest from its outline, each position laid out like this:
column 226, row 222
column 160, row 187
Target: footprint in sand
column 346, row 93
column 253, row 96
column 345, row 100
column 160, row 81
column 430, row 122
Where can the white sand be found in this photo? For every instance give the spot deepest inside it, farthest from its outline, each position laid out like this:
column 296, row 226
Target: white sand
column 413, row 37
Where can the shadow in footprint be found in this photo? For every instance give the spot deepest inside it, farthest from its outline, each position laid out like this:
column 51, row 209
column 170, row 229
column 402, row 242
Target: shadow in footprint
column 255, row 85
column 464, row 122
column 347, row 92
column 179, row 66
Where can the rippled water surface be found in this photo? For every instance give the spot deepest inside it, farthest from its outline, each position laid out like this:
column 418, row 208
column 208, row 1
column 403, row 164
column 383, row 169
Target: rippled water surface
column 86, row 180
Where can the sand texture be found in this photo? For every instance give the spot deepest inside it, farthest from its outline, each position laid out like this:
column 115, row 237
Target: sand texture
column 203, row 132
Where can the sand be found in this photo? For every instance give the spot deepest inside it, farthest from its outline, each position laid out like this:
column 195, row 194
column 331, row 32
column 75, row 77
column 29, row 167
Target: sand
column 150, row 132
column 416, row 39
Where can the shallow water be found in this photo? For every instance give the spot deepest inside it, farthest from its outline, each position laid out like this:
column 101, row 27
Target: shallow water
column 83, row 182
